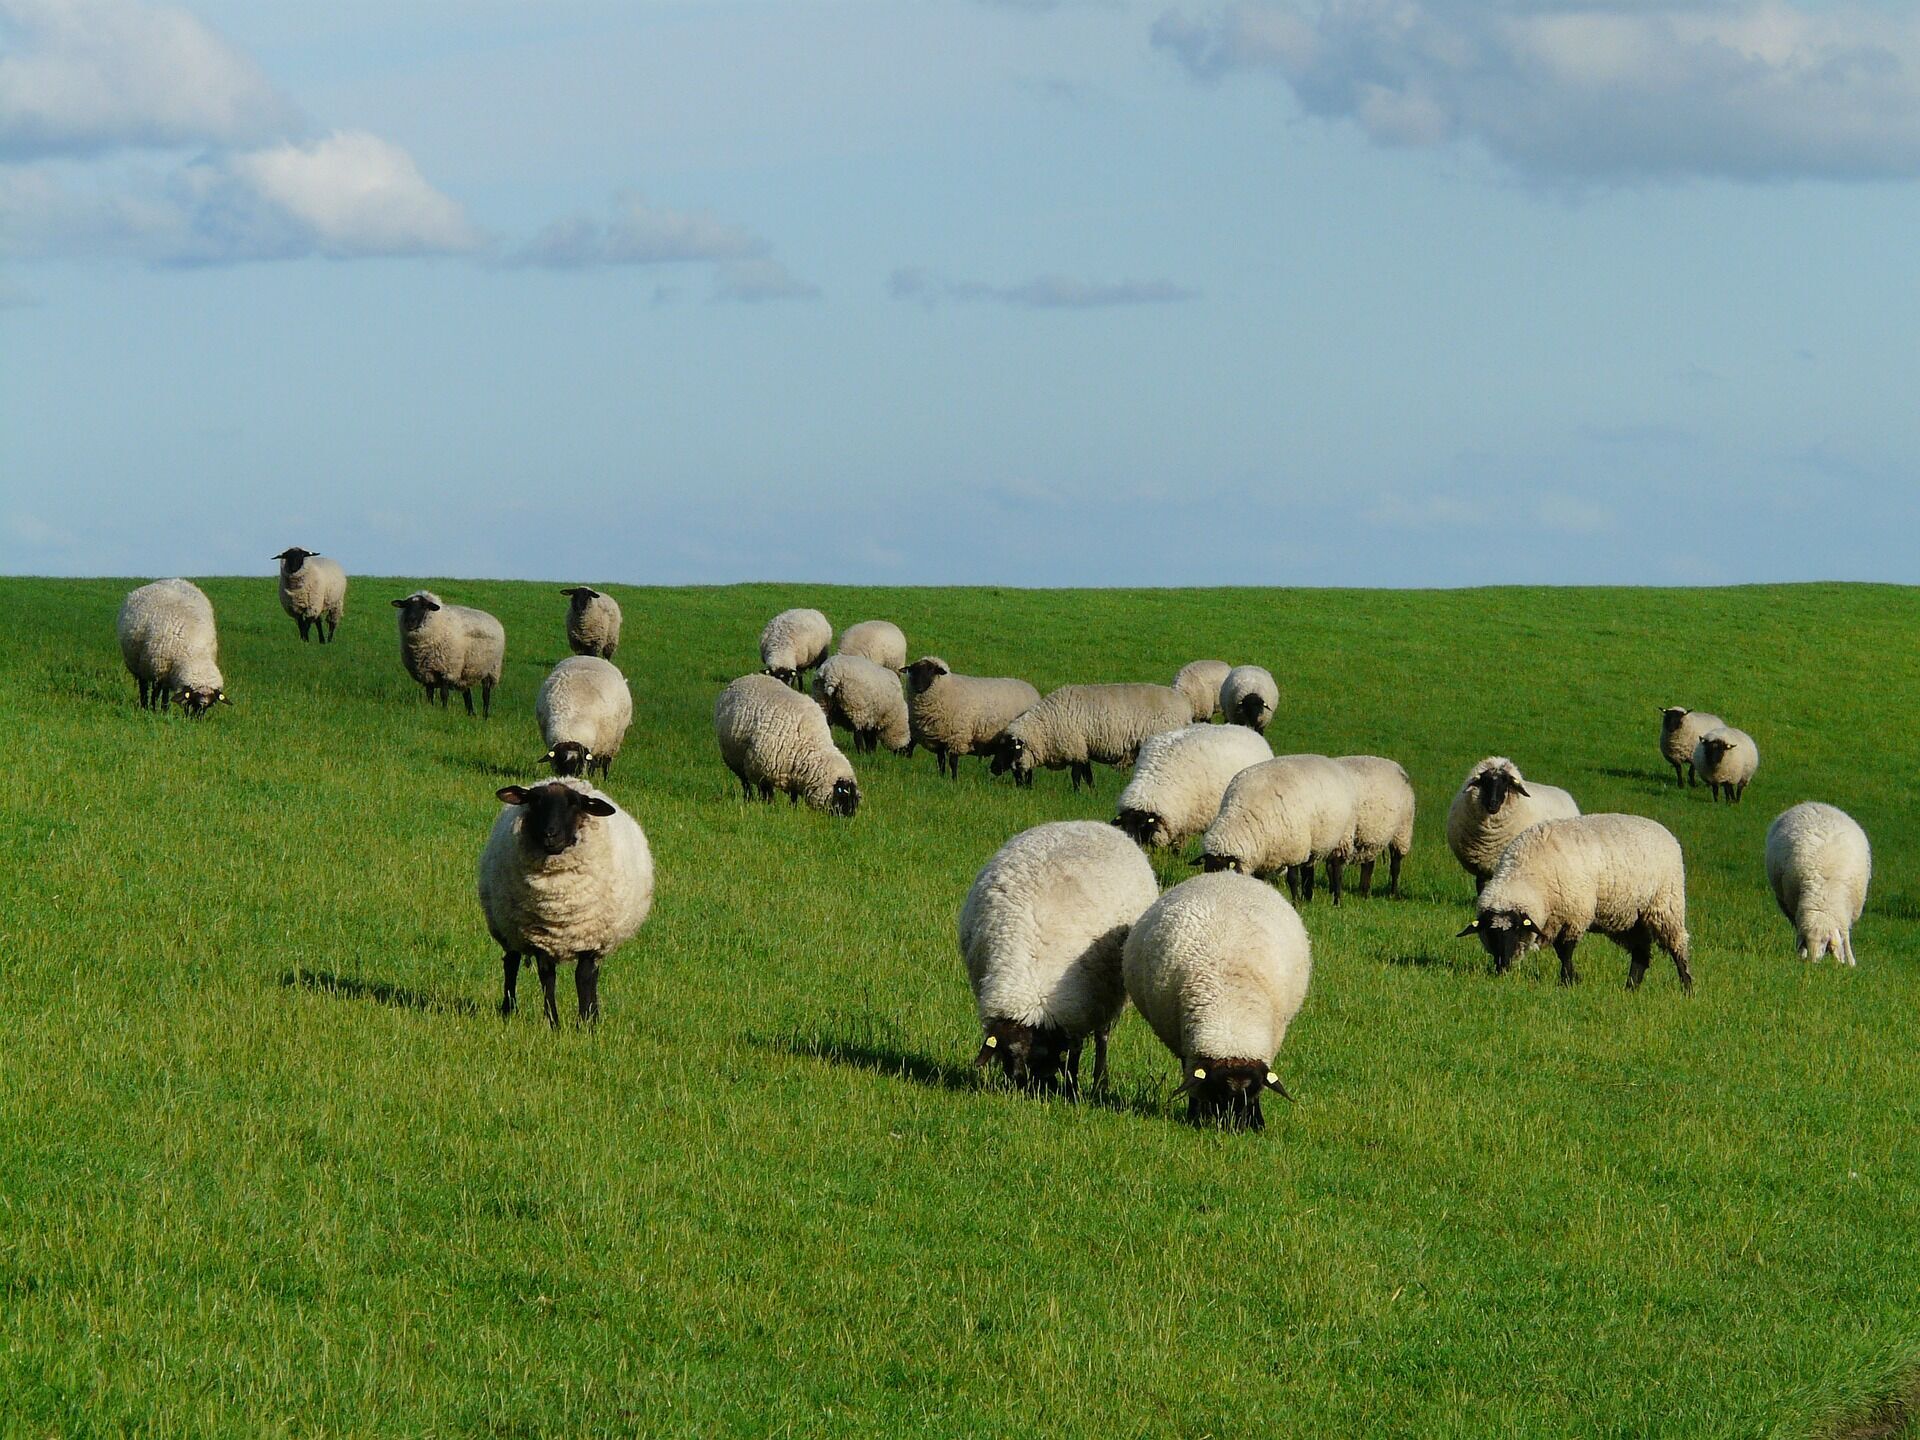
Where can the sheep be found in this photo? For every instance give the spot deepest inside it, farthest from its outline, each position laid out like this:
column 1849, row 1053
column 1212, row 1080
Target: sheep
column 794, row 642
column 1284, row 816
column 1819, row 864
column 584, row 707
column 1219, row 967
column 1680, row 731
column 1248, row 696
column 1079, row 724
column 1620, row 875
column 773, row 739
column 878, row 640
column 1041, row 932
column 1200, row 681
column 593, row 622
column 1493, row 805
column 1384, row 820
column 565, row 878
column 172, row 647
column 313, row 590
column 1726, row 759
column 954, row 715
column 1179, row 779
column 451, row 647
column 864, row 697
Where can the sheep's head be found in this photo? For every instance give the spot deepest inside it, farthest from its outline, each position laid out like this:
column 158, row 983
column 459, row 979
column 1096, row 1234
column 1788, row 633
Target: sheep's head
column 580, row 595
column 922, row 673
column 1503, row 934
column 1717, row 747
column 196, row 700
column 785, row 674
column 1227, row 1092
column 1030, row 1055
column 415, row 608
column 569, row 757
column 845, row 797
column 555, row 813
column 1143, row 827
column 1213, row 861
column 291, row 559
column 1821, row 940
column 1494, row 786
column 1671, row 717
column 1253, row 712
column 1010, row 752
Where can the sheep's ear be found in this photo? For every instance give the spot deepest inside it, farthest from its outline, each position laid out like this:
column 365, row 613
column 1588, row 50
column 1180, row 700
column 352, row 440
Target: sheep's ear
column 547, row 758
column 221, row 699
column 1273, row 1083
column 987, row 1049
column 1198, row 862
column 1197, row 1075
column 596, row 806
column 1473, row 928
column 511, row 795
column 1526, row 922
column 399, row 604
column 1518, row 788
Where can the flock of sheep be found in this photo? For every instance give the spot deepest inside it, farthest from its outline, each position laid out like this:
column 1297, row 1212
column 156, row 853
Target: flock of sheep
column 1066, row 922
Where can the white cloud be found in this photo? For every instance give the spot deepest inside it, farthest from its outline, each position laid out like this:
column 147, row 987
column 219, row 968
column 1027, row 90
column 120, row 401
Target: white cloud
column 756, row 281
column 1044, row 292
column 354, row 194
column 640, row 234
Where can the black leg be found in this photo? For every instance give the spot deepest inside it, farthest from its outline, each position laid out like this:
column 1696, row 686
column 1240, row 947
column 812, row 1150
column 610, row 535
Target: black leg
column 1293, row 883
column 509, row 983
column 1366, row 879
column 1100, row 1060
column 586, row 983
column 303, row 623
column 1640, row 950
column 766, row 792
column 486, row 700
column 446, row 692
column 1070, row 1069
column 1564, row 949
column 1336, row 872
column 1306, row 881
column 143, row 691
column 1479, row 884
column 467, row 695
column 549, row 969
column 1394, row 857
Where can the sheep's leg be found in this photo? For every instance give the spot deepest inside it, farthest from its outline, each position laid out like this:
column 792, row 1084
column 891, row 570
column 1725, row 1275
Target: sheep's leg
column 144, row 691
column 1306, row 882
column 509, row 982
column 446, row 694
column 1479, row 884
column 1293, row 883
column 1394, row 857
column 333, row 627
column 1336, row 872
column 1366, row 879
column 549, row 972
column 1564, row 949
column 1100, row 1060
column 466, row 694
column 486, row 700
column 303, row 623
column 586, row 984
column 766, row 792
column 1640, row 951
column 1679, row 953
column 1692, row 778
column 1070, row 1069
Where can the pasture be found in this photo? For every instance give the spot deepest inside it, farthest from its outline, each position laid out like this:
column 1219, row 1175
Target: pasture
column 271, row 1163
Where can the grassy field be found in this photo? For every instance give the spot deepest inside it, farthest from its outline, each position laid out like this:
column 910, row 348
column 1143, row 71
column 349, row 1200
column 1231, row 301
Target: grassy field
column 270, row 1163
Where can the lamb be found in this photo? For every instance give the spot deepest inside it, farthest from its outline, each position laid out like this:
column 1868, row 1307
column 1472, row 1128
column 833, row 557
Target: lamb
column 1179, row 779
column 584, row 708
column 171, row 646
column 451, row 647
column 1077, row 725
column 313, row 590
column 1041, row 932
column 1219, row 967
column 794, row 642
column 1619, row 875
column 1284, row 816
column 565, row 878
column 878, row 640
column 1680, row 731
column 864, row 697
column 1200, row 681
column 593, row 622
column 954, row 715
column 774, row 739
column 1248, row 696
column 1726, row 759
column 1819, row 864
column 1494, row 805
column 1384, row 821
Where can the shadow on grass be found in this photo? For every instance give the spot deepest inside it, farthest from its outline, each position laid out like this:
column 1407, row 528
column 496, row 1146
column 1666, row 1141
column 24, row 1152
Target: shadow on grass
column 1463, row 964
column 479, row 765
column 1654, row 783
column 377, row 991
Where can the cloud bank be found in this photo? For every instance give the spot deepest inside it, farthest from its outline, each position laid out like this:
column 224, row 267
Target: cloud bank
column 1044, row 292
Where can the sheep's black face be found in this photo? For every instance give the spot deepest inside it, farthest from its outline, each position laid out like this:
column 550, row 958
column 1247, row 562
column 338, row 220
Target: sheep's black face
column 1504, row 935
column 197, row 702
column 414, row 610
column 1494, row 786
column 845, row 798
column 579, row 595
column 1143, row 827
column 783, row 673
column 1253, row 712
column 555, row 813
column 1671, row 717
column 291, row 559
column 1031, row 1056
column 1010, row 753
column 923, row 673
column 1717, row 751
column 569, row 757
column 1227, row 1092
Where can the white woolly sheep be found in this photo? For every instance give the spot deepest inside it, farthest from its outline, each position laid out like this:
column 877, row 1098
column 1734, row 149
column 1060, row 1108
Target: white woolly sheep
column 451, row 647
column 773, row 739
column 1041, row 932
column 1078, row 725
column 313, row 590
column 1249, row 696
column 1283, row 817
column 1819, row 864
column 794, row 642
column 1726, row 759
column 954, row 715
column 1383, row 823
column 1493, row 805
column 878, row 640
column 1179, row 779
column 584, row 707
column 864, row 697
column 565, row 878
column 1621, row 876
column 171, row 646
column 1680, row 731
column 593, row 622
column 1219, row 967
column 1200, row 682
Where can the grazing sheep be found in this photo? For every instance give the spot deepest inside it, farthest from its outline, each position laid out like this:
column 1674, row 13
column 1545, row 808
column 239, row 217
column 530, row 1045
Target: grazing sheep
column 566, row 878
column 1680, row 731
column 451, row 647
column 954, row 715
column 1726, row 759
column 1284, row 816
column 878, row 640
column 773, row 739
column 794, row 642
column 1041, row 932
column 1219, row 967
column 1248, row 696
column 864, row 697
column 1819, row 864
column 1619, row 875
column 313, row 590
column 593, row 622
column 1179, row 779
column 172, row 647
column 1200, row 682
column 1494, row 805
column 1077, row 725
column 585, row 708
column 1384, row 821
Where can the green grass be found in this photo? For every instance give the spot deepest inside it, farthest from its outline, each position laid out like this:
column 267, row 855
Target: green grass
column 269, row 1162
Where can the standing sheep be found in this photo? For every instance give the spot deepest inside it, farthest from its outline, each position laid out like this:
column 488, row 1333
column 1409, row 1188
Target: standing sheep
column 451, row 647
column 879, row 641
column 1284, row 816
column 1219, row 967
column 171, row 646
column 1680, row 731
column 1200, row 682
column 864, row 697
column 773, row 739
column 593, row 622
column 1248, row 696
column 1041, row 932
column 954, row 715
column 1179, row 779
column 1819, row 864
column 794, row 642
column 1619, row 875
column 565, row 878
column 1494, row 805
column 1383, row 822
column 1077, row 725
column 1726, row 759
column 313, row 590
column 584, row 707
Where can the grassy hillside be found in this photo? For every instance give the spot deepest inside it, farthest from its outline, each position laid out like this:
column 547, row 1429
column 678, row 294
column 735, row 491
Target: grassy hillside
column 270, row 1163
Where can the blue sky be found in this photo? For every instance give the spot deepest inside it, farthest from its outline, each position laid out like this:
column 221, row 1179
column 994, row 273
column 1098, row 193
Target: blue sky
column 1377, row 292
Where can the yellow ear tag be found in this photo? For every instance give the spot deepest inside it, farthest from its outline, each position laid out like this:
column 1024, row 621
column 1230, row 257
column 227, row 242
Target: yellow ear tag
column 993, row 1042
column 1272, row 1079
column 1526, row 922
column 1199, row 1074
